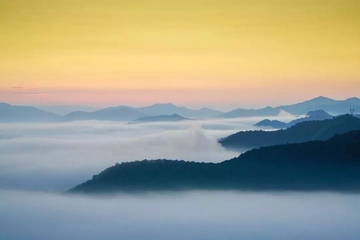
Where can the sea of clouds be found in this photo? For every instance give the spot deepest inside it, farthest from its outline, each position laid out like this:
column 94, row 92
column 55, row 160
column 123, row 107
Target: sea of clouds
column 58, row 156
column 40, row 161
column 180, row 216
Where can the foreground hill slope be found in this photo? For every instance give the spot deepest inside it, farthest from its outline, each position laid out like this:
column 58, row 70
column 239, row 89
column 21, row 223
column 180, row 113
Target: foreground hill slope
column 318, row 165
column 301, row 132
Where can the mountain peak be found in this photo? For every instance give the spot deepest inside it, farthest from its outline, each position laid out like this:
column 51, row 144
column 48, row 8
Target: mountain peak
column 315, row 112
column 321, row 98
column 5, row 104
column 268, row 108
column 353, row 98
column 164, row 104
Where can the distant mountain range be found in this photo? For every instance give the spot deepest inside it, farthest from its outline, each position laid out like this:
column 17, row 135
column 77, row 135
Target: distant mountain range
column 327, row 104
column 332, row 165
column 240, row 112
column 301, row 132
column 9, row 113
column 65, row 109
column 160, row 118
column 170, row 109
column 108, row 114
column 310, row 116
column 125, row 113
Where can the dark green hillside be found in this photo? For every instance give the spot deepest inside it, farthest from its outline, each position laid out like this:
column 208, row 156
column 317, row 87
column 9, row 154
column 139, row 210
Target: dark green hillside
column 317, row 165
column 301, row 132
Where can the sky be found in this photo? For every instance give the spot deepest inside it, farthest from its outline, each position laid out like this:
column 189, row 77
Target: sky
column 188, row 52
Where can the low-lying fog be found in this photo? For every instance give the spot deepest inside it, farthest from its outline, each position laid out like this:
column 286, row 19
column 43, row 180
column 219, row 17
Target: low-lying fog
column 58, row 156
column 191, row 215
column 37, row 161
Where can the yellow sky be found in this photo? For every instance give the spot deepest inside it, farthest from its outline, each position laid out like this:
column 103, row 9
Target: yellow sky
column 180, row 44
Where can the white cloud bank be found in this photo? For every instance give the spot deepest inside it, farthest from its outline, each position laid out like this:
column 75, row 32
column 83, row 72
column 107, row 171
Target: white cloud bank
column 55, row 157
column 194, row 215
column 58, row 156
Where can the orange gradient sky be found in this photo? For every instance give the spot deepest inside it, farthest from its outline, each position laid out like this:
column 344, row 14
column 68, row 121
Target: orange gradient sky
column 192, row 52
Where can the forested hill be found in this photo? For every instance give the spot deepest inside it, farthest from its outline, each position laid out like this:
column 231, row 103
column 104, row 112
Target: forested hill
column 301, row 132
column 317, row 165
